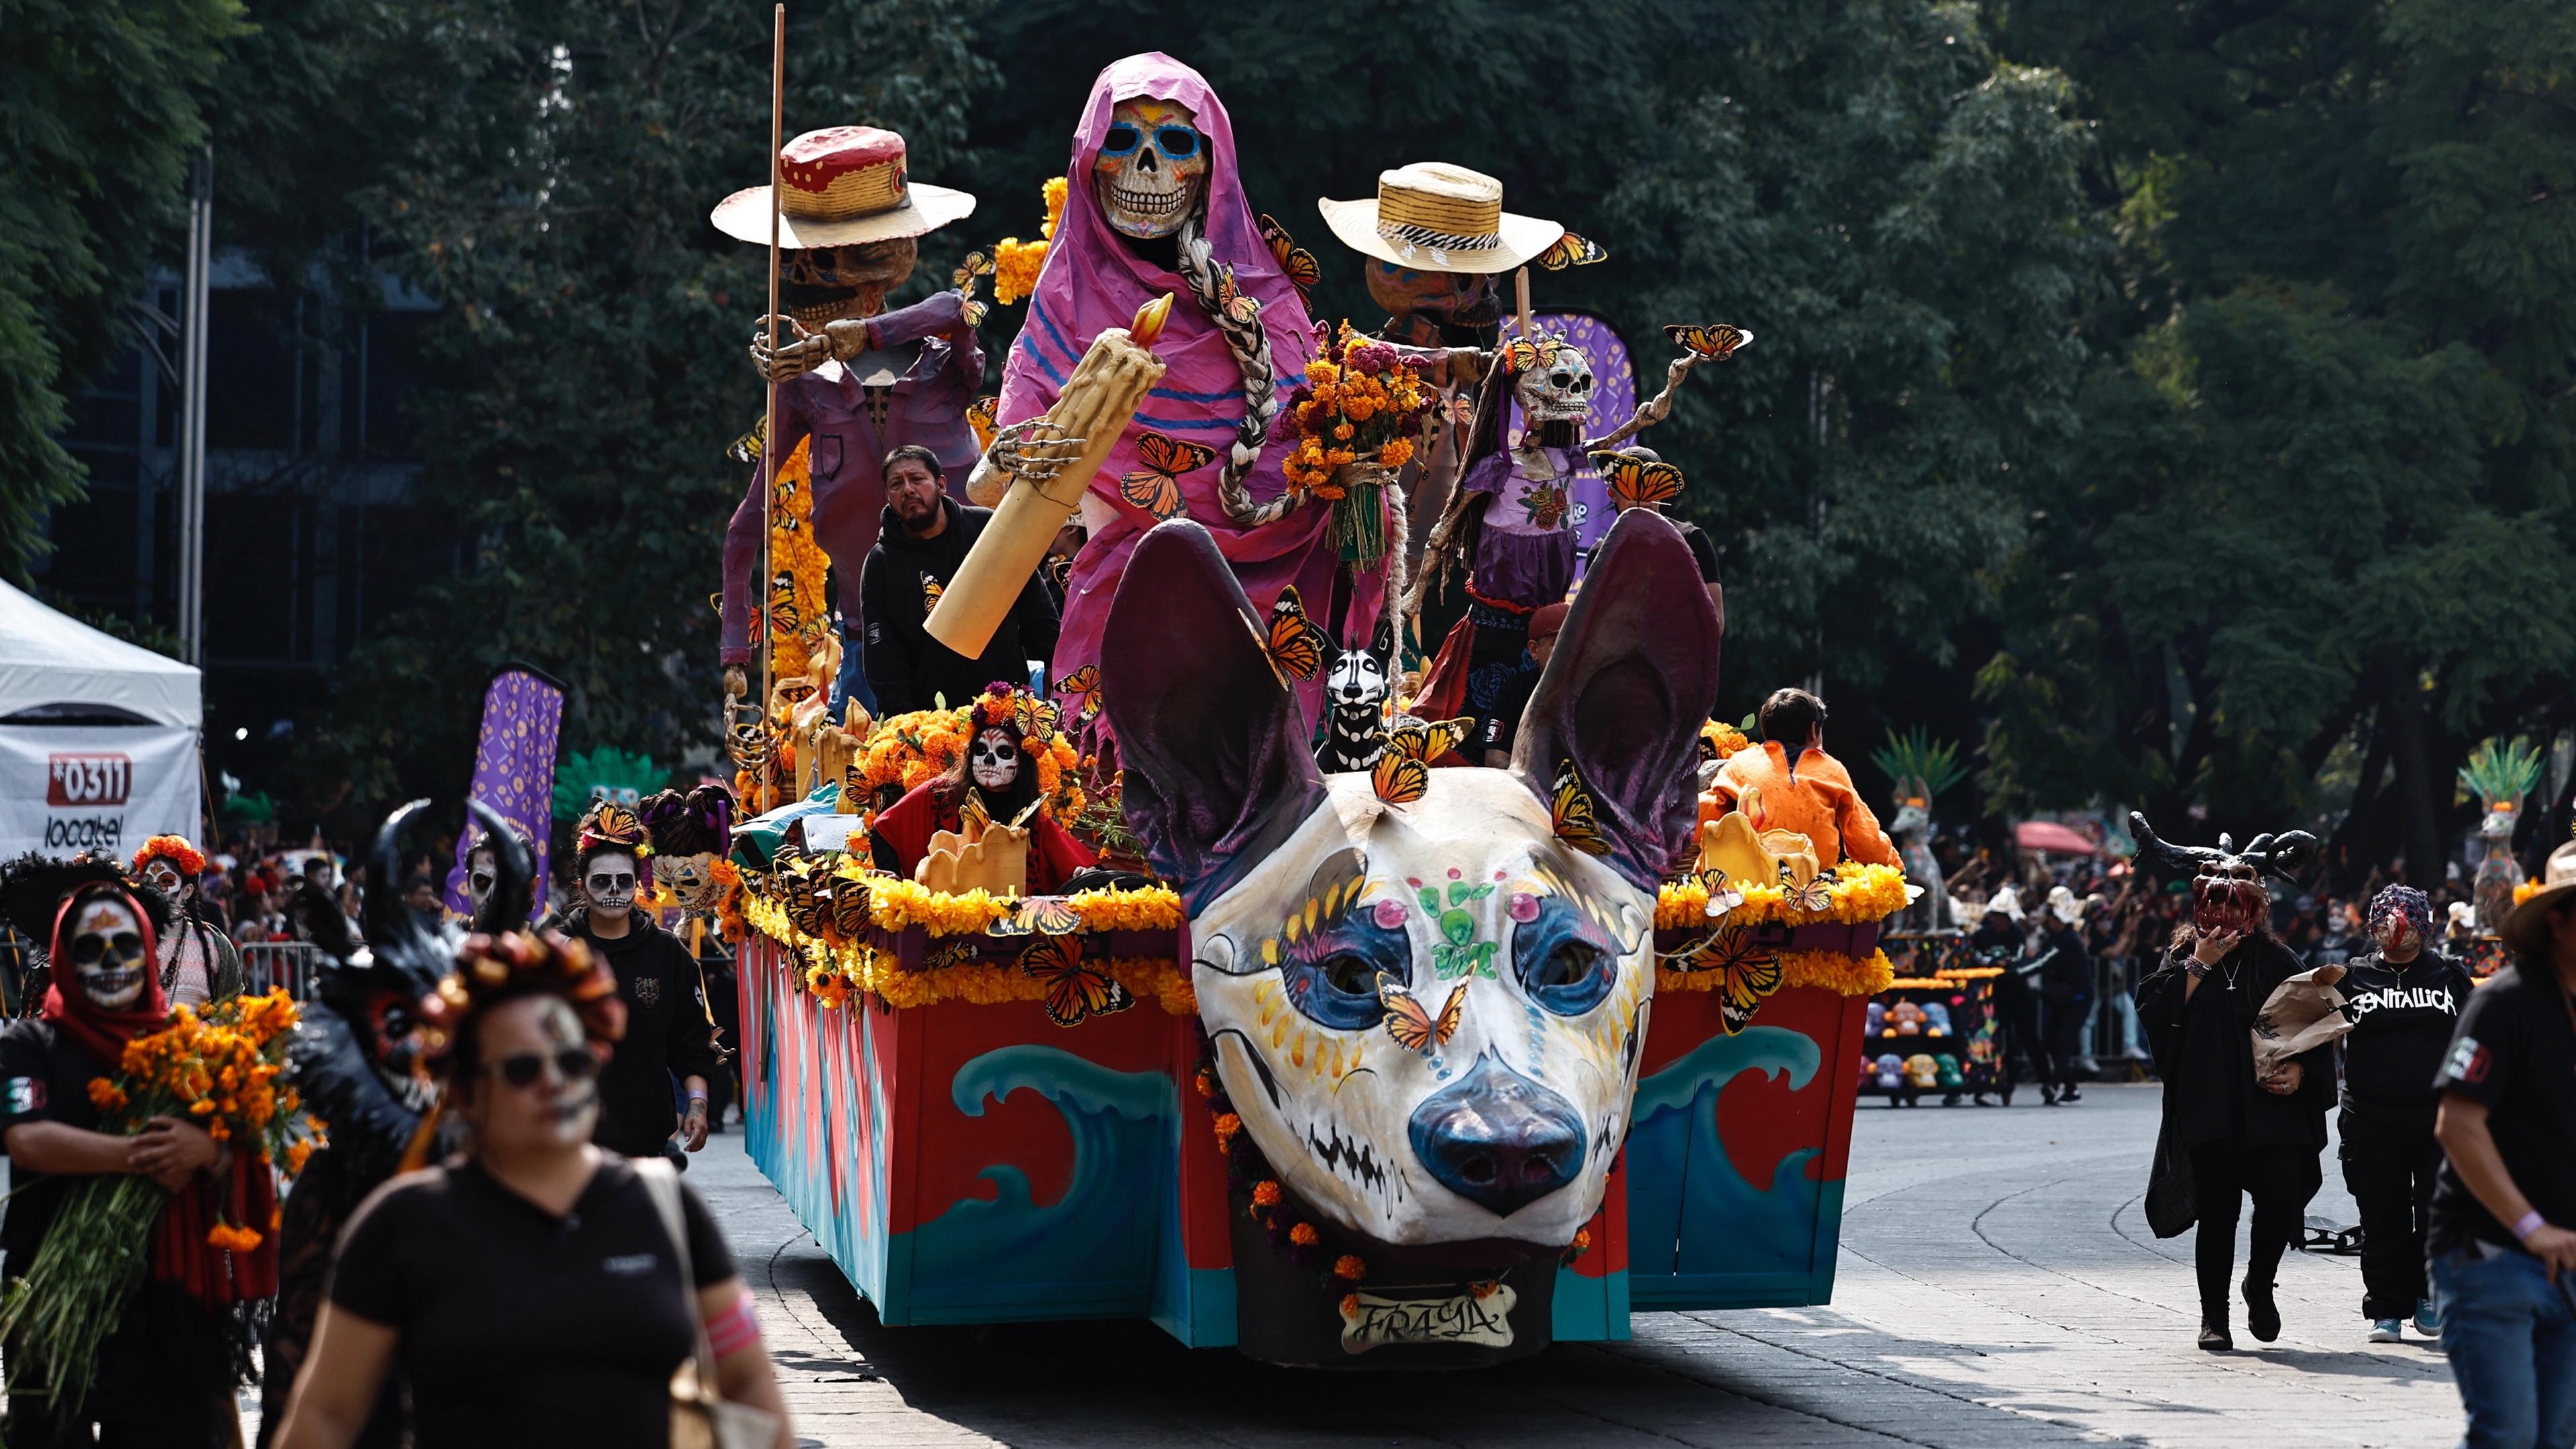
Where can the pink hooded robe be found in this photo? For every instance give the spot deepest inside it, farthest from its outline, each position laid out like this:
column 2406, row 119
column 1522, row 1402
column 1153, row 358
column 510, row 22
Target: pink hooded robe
column 1094, row 281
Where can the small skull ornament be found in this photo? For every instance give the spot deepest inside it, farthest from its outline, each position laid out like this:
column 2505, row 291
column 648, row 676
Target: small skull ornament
column 994, row 760
column 1152, row 168
column 107, row 954
column 1559, row 388
column 690, row 878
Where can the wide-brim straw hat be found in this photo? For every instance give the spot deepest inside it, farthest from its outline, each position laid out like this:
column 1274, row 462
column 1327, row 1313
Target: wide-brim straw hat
column 1436, row 217
column 2526, row 928
column 841, row 187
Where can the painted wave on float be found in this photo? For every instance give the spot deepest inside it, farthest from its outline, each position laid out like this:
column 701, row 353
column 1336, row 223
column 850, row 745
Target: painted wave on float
column 1684, row 1190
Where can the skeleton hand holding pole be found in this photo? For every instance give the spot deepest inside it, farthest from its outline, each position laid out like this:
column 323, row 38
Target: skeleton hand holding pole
column 837, row 342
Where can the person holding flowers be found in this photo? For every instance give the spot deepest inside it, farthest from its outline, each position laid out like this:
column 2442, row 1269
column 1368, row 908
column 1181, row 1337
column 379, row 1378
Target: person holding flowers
column 537, row 1289
column 104, row 1344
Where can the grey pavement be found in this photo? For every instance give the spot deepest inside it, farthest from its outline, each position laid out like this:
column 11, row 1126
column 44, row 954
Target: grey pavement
column 1998, row 1287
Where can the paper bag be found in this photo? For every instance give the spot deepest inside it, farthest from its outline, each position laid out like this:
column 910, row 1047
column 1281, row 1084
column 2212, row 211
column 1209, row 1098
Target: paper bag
column 2301, row 1015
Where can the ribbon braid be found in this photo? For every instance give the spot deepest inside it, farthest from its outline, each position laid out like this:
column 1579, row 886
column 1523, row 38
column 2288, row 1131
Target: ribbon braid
column 1250, row 344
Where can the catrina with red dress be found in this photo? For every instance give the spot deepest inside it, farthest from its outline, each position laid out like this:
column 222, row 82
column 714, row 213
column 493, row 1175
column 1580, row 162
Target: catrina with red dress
column 1004, row 732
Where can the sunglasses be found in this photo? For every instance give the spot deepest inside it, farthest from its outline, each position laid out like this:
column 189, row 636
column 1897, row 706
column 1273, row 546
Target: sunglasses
column 601, row 884
column 88, row 949
column 521, row 1069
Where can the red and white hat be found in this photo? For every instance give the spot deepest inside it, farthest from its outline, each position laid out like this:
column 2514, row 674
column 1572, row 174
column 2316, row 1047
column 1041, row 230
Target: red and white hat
column 840, row 187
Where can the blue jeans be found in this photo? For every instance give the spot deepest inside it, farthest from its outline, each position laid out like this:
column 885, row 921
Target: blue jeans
column 2510, row 1334
column 852, row 682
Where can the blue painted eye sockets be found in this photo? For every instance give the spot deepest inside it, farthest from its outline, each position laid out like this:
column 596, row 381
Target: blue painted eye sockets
column 1562, row 962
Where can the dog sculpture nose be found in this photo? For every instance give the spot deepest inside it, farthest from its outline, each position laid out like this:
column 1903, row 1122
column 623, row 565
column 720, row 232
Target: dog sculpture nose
column 1498, row 1139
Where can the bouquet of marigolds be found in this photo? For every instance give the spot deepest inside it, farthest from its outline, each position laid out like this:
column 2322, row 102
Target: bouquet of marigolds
column 222, row 1072
column 1353, row 422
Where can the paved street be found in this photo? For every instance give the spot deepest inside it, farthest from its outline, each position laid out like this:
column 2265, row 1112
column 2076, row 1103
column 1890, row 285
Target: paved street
column 1998, row 1287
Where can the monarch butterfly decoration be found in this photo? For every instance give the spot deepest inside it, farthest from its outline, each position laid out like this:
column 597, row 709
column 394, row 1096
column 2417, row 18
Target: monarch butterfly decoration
column 1636, row 483
column 1035, row 717
column 1082, row 687
column 1038, row 916
column 849, row 908
column 931, row 589
column 612, row 822
column 1572, row 251
column 1716, row 342
column 1399, row 779
column 1156, row 487
column 1414, row 1027
column 1722, row 894
column 1813, row 896
column 954, row 952
column 1074, row 991
column 979, row 416
column 746, row 449
column 1294, row 645
column 1402, row 774
column 1523, row 354
column 1747, row 973
column 1295, row 262
column 1570, row 812
column 1238, row 308
column 977, row 264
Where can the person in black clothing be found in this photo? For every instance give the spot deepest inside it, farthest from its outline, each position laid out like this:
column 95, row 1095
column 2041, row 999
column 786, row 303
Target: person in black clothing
column 926, row 536
column 1999, row 943
column 2228, row 1134
column 2503, row 1230
column 537, row 1289
column 666, row 1025
column 2404, row 998
column 1495, row 736
column 2065, row 987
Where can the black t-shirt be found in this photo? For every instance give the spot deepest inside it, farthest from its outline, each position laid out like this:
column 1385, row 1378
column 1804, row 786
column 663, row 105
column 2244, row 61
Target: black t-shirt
column 1702, row 547
column 2402, row 1018
column 44, row 1077
column 666, row 1036
column 2514, row 1051
column 520, row 1327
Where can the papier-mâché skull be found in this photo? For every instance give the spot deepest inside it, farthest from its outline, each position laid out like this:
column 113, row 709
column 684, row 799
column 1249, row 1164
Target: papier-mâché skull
column 691, row 879
column 1558, row 389
column 1428, row 1015
column 1152, row 168
column 106, row 953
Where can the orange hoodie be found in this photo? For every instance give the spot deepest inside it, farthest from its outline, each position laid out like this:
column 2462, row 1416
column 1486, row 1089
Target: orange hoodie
column 1816, row 799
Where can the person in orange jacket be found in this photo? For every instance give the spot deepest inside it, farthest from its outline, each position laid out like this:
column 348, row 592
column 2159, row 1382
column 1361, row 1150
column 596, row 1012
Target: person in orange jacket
column 1813, row 795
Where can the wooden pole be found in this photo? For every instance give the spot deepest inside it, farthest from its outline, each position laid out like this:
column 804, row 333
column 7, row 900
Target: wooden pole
column 769, row 427
column 1520, row 295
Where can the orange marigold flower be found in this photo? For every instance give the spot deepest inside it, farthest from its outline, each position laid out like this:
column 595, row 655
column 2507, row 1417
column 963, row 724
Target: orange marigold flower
column 1304, row 1235
column 1265, row 1193
column 1583, row 1240
column 1350, row 1305
column 1227, row 1125
column 1350, row 1267
column 105, row 1095
column 1395, row 452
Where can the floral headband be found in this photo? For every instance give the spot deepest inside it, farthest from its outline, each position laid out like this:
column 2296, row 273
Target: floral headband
column 493, row 969
column 174, row 849
column 1014, row 707
column 2398, row 900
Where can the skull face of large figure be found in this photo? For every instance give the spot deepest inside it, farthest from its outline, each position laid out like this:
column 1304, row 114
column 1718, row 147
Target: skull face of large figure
column 1559, row 388
column 1458, row 299
column 106, row 953
column 826, row 284
column 1152, row 169
column 994, row 760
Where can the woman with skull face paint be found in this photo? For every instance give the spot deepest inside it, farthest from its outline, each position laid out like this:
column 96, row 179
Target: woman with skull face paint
column 198, row 961
column 2229, row 1134
column 536, row 1289
column 996, row 767
column 667, row 1030
column 166, row 1374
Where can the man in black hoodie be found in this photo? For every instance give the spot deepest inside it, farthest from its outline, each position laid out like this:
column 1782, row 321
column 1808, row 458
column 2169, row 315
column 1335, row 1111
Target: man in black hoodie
column 925, row 538
column 666, row 1019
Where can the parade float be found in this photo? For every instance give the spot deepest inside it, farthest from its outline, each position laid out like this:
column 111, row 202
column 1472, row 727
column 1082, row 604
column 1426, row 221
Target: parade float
column 1114, row 1000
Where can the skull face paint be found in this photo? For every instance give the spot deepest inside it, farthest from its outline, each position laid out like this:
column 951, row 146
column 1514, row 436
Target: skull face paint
column 107, row 954
column 1151, row 172
column 163, row 876
column 609, row 884
column 1432, row 1025
column 993, row 760
column 1558, row 389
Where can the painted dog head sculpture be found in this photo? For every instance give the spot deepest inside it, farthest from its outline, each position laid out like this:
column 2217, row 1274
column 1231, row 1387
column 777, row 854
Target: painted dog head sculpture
column 1429, row 1015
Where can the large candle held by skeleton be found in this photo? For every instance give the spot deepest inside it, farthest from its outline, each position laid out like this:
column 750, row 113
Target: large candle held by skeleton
column 1096, row 405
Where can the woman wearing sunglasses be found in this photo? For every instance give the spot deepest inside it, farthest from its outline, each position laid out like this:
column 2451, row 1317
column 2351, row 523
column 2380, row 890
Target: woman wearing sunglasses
column 529, row 1288
column 667, row 1031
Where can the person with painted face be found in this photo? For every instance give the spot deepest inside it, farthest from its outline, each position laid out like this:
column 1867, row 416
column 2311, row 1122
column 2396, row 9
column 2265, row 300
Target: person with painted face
column 997, row 770
column 925, row 540
column 198, row 961
column 2404, row 998
column 657, row 978
column 165, row 1374
column 2229, row 1133
column 537, row 1289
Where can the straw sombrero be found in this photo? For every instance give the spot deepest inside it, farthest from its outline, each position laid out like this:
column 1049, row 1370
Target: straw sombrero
column 2526, row 927
column 1439, row 218
column 842, row 187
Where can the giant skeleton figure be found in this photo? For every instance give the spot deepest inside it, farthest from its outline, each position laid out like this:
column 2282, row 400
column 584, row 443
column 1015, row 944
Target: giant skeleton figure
column 358, row 1063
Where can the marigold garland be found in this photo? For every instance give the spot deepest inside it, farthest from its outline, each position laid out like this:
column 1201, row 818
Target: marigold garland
column 1860, row 895
column 1829, row 970
column 1016, row 263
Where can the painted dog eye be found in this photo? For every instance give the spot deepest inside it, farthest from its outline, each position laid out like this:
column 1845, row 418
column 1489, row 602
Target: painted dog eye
column 1560, row 966
column 1334, row 983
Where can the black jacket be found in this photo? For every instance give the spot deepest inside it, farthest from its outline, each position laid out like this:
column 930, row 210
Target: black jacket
column 906, row 667
column 2204, row 1051
column 666, row 1035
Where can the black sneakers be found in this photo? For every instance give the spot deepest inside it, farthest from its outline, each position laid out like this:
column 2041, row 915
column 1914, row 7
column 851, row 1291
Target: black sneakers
column 2262, row 1315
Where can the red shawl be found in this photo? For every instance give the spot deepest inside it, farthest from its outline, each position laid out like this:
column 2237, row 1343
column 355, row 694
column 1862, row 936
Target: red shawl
column 245, row 1194
column 907, row 825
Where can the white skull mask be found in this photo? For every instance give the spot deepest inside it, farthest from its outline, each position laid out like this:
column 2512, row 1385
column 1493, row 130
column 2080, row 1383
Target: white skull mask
column 106, row 951
column 1152, row 168
column 1558, row 389
column 1431, row 1025
column 163, row 875
column 994, row 760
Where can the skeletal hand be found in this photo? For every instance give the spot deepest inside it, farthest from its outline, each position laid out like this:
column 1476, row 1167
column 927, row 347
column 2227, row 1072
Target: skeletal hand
column 800, row 351
column 1033, row 449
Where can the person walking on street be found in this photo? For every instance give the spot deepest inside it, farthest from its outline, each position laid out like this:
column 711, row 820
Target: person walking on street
column 2065, row 987
column 2404, row 998
column 666, row 1031
column 2503, row 1230
column 1999, row 943
column 2229, row 1132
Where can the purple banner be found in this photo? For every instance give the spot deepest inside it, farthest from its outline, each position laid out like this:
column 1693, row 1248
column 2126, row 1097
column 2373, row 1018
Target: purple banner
column 1614, row 397
column 514, row 768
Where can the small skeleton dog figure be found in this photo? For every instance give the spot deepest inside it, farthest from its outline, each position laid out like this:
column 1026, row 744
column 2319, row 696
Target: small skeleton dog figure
column 1355, row 693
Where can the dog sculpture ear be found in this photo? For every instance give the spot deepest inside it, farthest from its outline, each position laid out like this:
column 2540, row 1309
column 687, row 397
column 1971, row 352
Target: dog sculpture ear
column 1214, row 747
column 1623, row 697
column 1382, row 644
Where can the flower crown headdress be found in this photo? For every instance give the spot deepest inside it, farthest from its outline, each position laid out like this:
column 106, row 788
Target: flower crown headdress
column 175, row 849
column 1014, row 707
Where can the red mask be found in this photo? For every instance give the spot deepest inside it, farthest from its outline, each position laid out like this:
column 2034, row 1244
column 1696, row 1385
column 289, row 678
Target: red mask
column 2228, row 903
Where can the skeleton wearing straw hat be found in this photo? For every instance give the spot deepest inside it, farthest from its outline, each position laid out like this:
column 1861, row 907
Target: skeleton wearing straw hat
column 856, row 380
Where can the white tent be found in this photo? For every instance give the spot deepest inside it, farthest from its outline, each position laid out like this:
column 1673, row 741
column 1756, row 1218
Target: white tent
column 98, row 737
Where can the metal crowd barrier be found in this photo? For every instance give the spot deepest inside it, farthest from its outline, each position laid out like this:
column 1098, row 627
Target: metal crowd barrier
column 290, row 964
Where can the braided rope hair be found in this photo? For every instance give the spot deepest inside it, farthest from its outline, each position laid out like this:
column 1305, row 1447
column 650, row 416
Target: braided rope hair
column 1249, row 341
